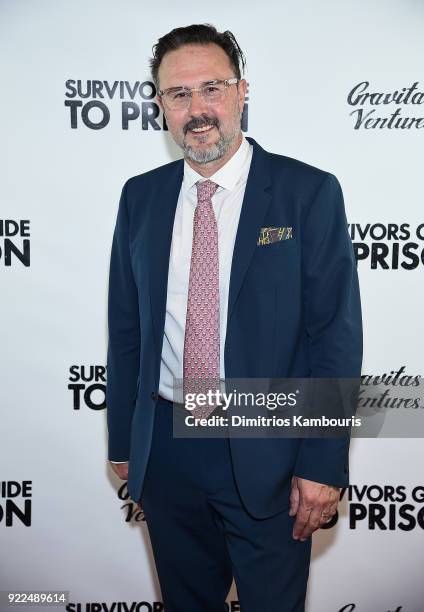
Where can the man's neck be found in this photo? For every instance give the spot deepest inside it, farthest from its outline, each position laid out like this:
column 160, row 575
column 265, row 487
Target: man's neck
column 206, row 170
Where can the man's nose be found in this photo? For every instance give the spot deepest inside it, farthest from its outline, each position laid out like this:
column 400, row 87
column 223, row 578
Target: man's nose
column 197, row 104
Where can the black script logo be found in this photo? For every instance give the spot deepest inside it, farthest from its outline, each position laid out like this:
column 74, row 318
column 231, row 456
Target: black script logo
column 15, row 243
column 390, row 246
column 15, row 502
column 379, row 391
column 352, row 607
column 91, row 103
column 365, row 115
column 88, row 384
column 133, row 513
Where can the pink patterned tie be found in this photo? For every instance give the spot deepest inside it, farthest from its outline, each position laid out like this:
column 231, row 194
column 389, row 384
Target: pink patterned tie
column 201, row 341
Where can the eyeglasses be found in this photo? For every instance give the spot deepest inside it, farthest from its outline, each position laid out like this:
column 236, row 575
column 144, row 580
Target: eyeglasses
column 212, row 92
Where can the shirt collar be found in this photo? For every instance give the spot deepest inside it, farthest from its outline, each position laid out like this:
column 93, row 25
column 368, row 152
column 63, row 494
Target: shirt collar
column 227, row 176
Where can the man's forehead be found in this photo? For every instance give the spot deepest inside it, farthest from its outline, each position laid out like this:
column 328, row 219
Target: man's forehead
column 192, row 65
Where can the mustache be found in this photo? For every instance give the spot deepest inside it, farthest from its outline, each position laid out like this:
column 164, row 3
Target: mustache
column 198, row 122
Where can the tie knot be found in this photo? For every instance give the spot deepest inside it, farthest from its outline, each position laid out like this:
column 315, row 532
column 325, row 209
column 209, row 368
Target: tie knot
column 205, row 190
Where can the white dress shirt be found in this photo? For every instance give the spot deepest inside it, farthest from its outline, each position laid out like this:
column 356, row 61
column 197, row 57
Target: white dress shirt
column 226, row 202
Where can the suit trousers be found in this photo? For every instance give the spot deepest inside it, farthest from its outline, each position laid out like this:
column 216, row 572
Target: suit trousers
column 202, row 536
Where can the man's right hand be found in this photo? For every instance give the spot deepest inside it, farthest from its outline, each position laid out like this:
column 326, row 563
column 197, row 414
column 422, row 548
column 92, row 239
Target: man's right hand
column 120, row 469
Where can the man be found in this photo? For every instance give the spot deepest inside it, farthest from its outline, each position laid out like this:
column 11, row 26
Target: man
column 218, row 508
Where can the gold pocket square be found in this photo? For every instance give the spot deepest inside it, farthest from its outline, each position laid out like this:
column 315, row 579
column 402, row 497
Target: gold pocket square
column 268, row 235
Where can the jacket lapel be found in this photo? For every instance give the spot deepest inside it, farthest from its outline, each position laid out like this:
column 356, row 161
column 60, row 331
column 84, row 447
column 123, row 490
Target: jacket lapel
column 255, row 204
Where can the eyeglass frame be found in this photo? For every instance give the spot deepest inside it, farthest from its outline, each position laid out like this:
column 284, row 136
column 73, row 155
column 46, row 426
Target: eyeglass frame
column 227, row 82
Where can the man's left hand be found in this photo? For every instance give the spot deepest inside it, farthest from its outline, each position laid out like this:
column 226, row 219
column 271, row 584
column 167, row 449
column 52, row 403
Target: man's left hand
column 313, row 503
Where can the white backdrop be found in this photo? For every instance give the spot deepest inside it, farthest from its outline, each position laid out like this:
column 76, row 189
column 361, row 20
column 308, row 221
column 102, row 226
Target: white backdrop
column 67, row 524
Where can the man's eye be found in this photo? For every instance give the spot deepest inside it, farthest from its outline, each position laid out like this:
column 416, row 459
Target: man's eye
column 179, row 94
column 211, row 89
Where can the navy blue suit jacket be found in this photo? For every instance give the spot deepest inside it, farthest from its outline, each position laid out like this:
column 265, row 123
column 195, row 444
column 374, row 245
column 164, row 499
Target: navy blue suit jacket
column 294, row 311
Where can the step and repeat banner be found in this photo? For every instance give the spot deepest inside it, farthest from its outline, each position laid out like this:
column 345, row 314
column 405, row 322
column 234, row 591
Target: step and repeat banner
column 337, row 85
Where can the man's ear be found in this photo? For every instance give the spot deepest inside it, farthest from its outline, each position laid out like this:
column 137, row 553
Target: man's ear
column 159, row 101
column 242, row 88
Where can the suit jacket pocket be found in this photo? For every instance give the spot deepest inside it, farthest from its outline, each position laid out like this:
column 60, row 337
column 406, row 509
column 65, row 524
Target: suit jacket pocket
column 280, row 247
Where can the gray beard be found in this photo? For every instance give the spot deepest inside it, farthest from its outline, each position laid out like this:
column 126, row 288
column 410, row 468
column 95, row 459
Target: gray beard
column 213, row 153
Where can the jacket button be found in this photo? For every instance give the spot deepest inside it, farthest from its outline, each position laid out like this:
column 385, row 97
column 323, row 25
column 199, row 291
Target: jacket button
column 153, row 395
